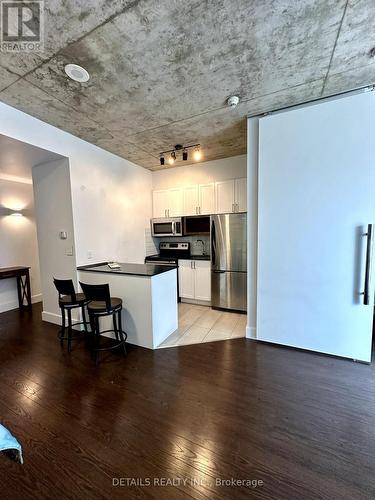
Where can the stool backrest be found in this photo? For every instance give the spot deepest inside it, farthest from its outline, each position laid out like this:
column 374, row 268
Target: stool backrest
column 65, row 287
column 98, row 293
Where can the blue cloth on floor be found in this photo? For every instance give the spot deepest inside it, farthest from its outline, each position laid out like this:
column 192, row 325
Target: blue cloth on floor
column 8, row 442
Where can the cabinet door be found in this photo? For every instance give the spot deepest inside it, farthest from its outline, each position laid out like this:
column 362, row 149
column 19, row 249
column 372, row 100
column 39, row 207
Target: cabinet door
column 191, row 201
column 186, row 279
column 202, row 279
column 160, row 203
column 241, row 194
column 207, row 199
column 175, row 202
column 224, row 197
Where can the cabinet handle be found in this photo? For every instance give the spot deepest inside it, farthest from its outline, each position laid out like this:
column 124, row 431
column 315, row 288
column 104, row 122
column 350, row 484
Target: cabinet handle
column 200, row 211
column 232, row 207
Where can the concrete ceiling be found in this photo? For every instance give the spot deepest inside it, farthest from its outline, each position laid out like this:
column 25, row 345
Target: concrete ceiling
column 17, row 159
column 161, row 71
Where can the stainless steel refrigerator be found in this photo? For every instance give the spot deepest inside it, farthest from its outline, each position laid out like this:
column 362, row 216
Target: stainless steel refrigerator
column 229, row 262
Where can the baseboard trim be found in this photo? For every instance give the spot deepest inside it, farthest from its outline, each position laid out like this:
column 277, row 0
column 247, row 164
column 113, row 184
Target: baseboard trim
column 51, row 318
column 56, row 319
column 197, row 302
column 13, row 304
column 251, row 332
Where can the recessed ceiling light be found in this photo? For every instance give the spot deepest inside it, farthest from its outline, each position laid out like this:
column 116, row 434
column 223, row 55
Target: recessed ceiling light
column 77, row 73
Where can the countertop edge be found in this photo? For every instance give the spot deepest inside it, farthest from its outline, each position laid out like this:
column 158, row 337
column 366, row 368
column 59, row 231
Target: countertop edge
column 90, row 268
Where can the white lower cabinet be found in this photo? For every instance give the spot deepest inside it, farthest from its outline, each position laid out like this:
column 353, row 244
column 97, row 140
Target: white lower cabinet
column 186, row 279
column 194, row 279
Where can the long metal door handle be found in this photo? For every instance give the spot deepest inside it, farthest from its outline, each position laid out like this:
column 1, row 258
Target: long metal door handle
column 367, row 288
column 213, row 243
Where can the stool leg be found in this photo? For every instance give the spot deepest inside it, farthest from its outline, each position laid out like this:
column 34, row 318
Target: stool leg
column 62, row 331
column 92, row 335
column 96, row 345
column 84, row 319
column 69, row 330
column 115, row 328
column 121, row 333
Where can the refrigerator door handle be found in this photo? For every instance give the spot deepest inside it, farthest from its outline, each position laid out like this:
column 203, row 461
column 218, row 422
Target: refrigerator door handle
column 213, row 243
column 368, row 271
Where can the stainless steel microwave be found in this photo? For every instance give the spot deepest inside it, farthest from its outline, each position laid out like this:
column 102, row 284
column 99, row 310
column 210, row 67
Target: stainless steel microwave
column 166, row 227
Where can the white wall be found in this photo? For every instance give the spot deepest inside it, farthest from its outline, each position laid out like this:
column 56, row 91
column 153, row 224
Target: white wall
column 18, row 241
column 252, row 224
column 111, row 196
column 53, row 210
column 201, row 173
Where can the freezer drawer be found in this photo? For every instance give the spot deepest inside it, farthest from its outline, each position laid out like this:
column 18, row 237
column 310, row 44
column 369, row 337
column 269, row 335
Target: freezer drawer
column 229, row 290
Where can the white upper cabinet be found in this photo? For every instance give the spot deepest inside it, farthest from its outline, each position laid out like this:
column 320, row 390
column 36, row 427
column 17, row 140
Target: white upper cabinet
column 201, row 199
column 175, row 201
column 167, row 203
column 224, row 197
column 160, row 203
column 240, row 189
column 191, row 200
column 206, row 199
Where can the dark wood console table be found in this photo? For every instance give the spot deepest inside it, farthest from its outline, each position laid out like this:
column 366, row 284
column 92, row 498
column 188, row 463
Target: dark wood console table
column 22, row 276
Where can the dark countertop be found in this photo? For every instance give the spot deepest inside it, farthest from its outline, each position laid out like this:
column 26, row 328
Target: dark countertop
column 129, row 269
column 199, row 257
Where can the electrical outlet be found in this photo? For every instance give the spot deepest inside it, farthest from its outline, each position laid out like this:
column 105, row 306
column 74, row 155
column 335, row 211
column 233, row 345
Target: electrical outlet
column 89, row 254
column 69, row 251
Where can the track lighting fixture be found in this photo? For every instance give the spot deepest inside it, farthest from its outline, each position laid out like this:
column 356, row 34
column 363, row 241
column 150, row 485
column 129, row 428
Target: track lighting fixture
column 172, row 158
column 180, row 152
column 197, row 155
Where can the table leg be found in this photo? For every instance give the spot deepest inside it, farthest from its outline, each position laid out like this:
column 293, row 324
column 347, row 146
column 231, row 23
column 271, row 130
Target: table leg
column 20, row 301
column 28, row 289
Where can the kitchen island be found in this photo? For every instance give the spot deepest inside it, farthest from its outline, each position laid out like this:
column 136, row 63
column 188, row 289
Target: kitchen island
column 149, row 295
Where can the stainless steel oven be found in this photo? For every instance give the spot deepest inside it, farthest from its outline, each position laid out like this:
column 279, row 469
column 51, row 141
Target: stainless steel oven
column 166, row 227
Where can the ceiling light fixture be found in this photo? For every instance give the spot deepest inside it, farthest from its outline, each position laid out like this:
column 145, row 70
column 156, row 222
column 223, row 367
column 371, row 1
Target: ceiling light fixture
column 233, row 101
column 197, row 155
column 180, row 152
column 77, row 73
column 172, row 158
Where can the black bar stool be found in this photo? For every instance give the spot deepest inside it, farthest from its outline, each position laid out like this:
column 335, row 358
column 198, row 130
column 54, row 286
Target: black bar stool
column 102, row 304
column 68, row 300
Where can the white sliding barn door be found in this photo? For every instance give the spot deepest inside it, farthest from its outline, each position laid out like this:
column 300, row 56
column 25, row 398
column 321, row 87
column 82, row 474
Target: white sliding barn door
column 316, row 197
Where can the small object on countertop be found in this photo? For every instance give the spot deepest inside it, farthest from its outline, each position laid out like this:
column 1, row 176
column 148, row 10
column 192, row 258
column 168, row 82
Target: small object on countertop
column 114, row 265
column 10, row 445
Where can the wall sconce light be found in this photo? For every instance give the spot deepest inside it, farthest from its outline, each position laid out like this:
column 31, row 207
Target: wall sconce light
column 16, row 213
column 182, row 151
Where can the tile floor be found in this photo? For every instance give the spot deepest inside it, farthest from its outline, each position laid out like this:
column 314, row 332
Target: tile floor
column 202, row 324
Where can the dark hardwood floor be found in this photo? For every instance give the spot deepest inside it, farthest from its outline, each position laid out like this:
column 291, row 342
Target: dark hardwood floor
column 302, row 424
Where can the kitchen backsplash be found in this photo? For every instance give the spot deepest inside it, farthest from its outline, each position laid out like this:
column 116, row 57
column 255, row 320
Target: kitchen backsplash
column 198, row 244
